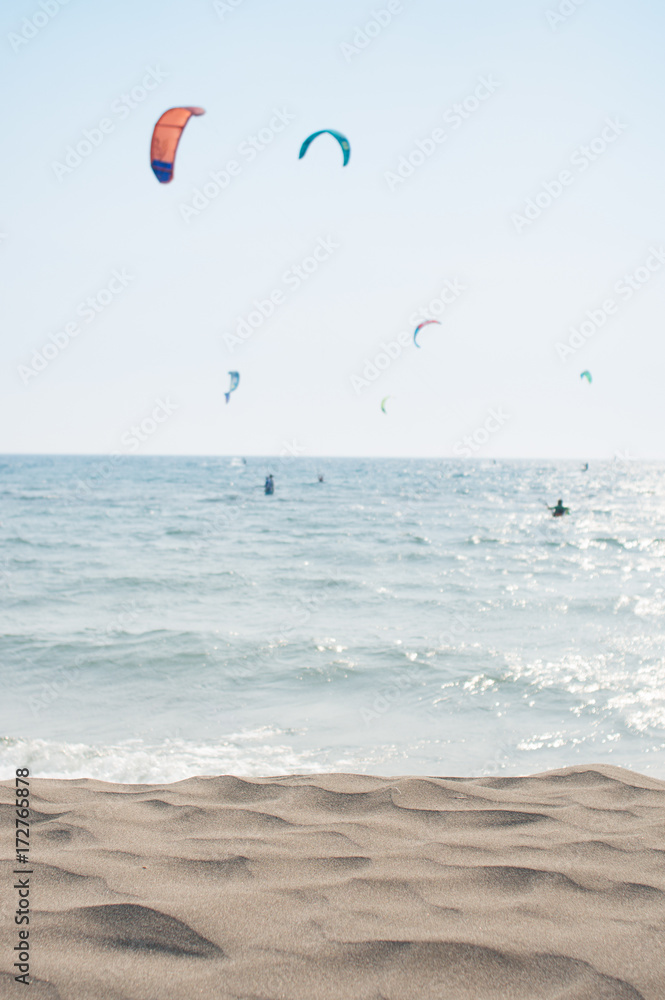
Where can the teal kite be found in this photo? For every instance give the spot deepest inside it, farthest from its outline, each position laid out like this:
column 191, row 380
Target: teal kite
column 383, row 403
column 342, row 140
column 587, row 376
column 420, row 326
column 235, row 378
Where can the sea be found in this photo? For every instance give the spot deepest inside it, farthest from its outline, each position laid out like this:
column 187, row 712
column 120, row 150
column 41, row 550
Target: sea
column 162, row 617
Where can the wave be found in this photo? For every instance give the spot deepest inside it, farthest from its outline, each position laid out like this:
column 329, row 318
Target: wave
column 251, row 753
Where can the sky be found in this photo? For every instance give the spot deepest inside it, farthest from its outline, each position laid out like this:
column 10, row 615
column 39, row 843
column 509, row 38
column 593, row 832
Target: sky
column 505, row 178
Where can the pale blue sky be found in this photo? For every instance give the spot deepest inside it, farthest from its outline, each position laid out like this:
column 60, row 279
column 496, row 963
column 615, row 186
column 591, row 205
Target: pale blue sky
column 163, row 337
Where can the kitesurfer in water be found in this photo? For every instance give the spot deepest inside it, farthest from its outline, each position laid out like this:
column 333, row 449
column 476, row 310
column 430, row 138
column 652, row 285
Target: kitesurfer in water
column 320, row 478
column 559, row 510
column 269, row 485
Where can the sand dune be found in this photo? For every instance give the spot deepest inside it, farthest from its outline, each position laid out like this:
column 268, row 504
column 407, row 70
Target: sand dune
column 345, row 887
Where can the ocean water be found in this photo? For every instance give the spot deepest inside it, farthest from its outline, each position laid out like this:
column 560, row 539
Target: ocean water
column 161, row 617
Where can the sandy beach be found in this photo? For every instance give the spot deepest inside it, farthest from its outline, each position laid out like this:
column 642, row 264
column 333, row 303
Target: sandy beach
column 337, row 885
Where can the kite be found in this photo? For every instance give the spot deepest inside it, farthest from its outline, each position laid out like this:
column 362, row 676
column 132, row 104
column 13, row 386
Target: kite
column 342, row 140
column 587, row 376
column 165, row 139
column 383, row 403
column 235, row 378
column 420, row 326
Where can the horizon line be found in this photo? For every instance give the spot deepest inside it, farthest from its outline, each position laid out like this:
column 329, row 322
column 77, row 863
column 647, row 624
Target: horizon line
column 280, row 457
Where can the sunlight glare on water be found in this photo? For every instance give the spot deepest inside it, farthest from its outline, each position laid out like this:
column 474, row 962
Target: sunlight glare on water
column 165, row 618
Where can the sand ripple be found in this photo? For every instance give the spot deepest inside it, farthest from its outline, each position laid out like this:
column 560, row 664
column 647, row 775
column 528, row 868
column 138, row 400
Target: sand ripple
column 347, row 887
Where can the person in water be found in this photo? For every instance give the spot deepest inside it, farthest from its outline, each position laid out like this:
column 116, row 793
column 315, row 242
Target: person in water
column 270, row 485
column 559, row 510
column 320, row 478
